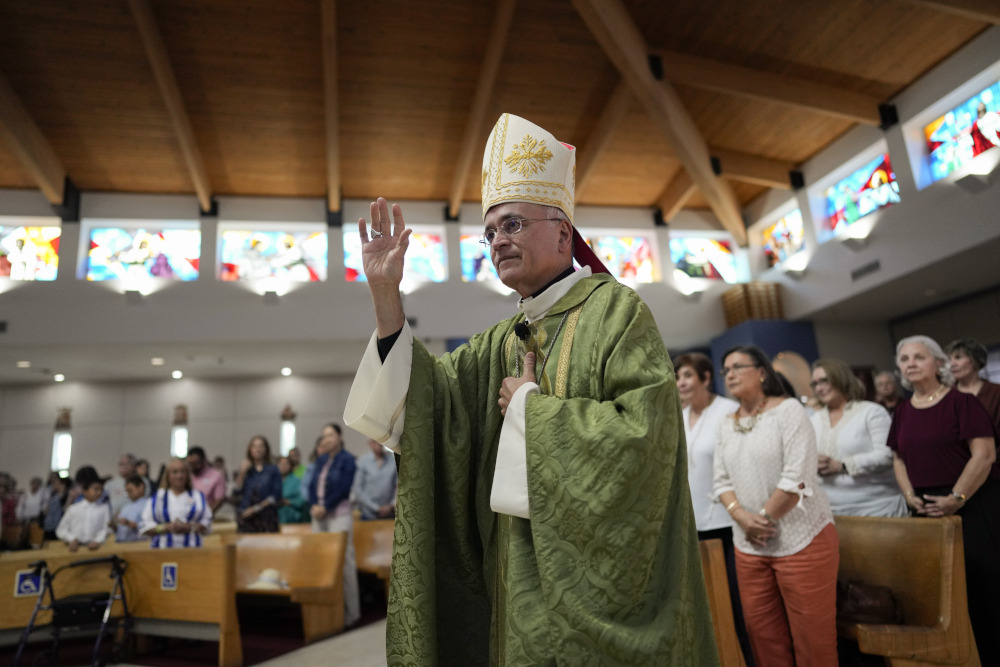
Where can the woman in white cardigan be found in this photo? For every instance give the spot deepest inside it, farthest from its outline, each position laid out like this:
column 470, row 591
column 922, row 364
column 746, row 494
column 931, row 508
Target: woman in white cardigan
column 855, row 465
column 704, row 412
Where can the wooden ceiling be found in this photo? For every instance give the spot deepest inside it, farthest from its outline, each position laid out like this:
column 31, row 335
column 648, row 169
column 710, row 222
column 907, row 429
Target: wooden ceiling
column 312, row 97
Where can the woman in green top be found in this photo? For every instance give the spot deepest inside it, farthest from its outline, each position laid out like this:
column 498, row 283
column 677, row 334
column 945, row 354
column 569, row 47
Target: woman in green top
column 293, row 506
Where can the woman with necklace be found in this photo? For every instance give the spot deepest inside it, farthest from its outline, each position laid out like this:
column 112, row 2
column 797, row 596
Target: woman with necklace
column 177, row 514
column 855, row 465
column 260, row 481
column 945, row 462
column 786, row 544
column 968, row 358
column 703, row 414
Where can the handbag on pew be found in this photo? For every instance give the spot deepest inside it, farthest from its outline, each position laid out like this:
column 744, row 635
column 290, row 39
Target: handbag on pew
column 860, row 602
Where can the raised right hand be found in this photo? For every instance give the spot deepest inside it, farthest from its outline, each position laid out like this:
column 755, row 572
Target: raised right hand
column 382, row 256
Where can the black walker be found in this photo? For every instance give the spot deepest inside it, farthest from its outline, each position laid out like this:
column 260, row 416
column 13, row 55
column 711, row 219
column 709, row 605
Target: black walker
column 85, row 611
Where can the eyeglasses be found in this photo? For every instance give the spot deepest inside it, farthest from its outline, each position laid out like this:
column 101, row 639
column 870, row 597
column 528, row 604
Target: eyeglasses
column 509, row 227
column 816, row 383
column 736, row 368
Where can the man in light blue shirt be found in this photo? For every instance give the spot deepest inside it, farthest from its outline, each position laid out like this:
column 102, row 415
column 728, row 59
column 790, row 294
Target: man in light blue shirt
column 374, row 489
column 127, row 523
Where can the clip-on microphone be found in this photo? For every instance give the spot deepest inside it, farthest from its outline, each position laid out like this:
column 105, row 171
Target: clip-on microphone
column 522, row 331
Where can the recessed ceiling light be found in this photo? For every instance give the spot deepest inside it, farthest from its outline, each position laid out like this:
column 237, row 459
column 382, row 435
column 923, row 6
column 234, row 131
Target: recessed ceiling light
column 24, row 364
column 156, row 361
column 286, row 371
column 177, row 375
column 58, row 377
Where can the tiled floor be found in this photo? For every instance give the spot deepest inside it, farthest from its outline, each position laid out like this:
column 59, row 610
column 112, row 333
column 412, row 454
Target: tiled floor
column 363, row 647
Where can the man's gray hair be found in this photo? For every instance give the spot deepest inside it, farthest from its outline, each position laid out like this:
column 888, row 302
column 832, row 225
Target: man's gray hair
column 556, row 212
column 944, row 364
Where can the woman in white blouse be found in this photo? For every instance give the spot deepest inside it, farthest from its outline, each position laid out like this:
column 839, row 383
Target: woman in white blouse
column 704, row 412
column 786, row 544
column 854, row 464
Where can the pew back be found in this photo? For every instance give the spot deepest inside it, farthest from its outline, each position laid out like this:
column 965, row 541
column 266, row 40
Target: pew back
column 302, row 559
column 201, row 605
column 923, row 562
column 713, row 566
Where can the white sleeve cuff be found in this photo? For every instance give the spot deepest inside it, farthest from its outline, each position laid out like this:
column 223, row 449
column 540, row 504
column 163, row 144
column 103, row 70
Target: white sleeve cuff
column 376, row 405
column 789, row 486
column 510, row 480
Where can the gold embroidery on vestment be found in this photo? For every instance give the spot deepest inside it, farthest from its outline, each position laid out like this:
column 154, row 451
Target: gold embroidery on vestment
column 562, row 370
column 528, row 157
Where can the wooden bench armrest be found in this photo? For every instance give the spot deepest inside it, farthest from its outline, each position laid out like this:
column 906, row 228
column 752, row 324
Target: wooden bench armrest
column 316, row 595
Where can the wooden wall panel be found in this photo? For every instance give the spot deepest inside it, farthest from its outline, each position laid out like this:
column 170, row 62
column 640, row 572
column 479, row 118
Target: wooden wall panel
column 250, row 74
column 80, row 70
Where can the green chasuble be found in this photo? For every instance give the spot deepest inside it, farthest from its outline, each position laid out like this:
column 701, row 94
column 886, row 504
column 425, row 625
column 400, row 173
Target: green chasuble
column 607, row 570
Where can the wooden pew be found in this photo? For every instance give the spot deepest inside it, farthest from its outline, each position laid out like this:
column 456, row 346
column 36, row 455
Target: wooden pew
column 713, row 565
column 202, row 607
column 296, row 528
column 373, row 548
column 923, row 562
column 313, row 566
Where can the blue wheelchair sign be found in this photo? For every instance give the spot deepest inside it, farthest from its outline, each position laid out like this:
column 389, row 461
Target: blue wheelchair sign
column 27, row 584
column 168, row 577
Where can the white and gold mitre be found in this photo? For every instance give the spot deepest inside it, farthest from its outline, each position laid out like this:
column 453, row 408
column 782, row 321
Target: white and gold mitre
column 524, row 163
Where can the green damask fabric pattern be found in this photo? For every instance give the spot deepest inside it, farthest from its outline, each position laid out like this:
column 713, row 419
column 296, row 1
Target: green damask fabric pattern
column 607, row 571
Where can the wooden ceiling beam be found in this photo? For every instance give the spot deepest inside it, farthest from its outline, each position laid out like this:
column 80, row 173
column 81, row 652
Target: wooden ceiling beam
column 331, row 105
column 30, row 145
column 754, row 168
column 683, row 69
column 987, row 11
column 166, row 80
column 623, row 43
column 472, row 142
column 611, row 117
column 676, row 195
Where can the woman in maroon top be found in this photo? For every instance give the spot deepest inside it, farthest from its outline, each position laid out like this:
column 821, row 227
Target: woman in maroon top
column 945, row 463
column 968, row 357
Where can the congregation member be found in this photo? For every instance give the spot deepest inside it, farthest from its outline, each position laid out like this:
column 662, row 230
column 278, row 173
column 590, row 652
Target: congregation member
column 968, row 358
column 142, row 470
column 550, row 437
column 206, row 479
column 703, row 414
column 86, row 522
column 115, row 488
column 259, row 483
column 58, row 494
column 855, row 464
column 294, row 506
column 129, row 517
column 887, row 391
column 177, row 515
column 945, row 462
column 329, row 494
column 295, row 459
column 31, row 503
column 787, row 550
column 374, row 489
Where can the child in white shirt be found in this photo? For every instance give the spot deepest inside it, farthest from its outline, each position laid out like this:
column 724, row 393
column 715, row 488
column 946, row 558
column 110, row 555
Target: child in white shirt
column 87, row 521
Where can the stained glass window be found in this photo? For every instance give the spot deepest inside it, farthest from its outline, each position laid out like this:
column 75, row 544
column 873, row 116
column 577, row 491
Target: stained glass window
column 28, row 252
column 868, row 189
column 476, row 263
column 141, row 253
column 426, row 260
column 703, row 258
column 628, row 258
column 969, row 129
column 295, row 256
column 784, row 238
